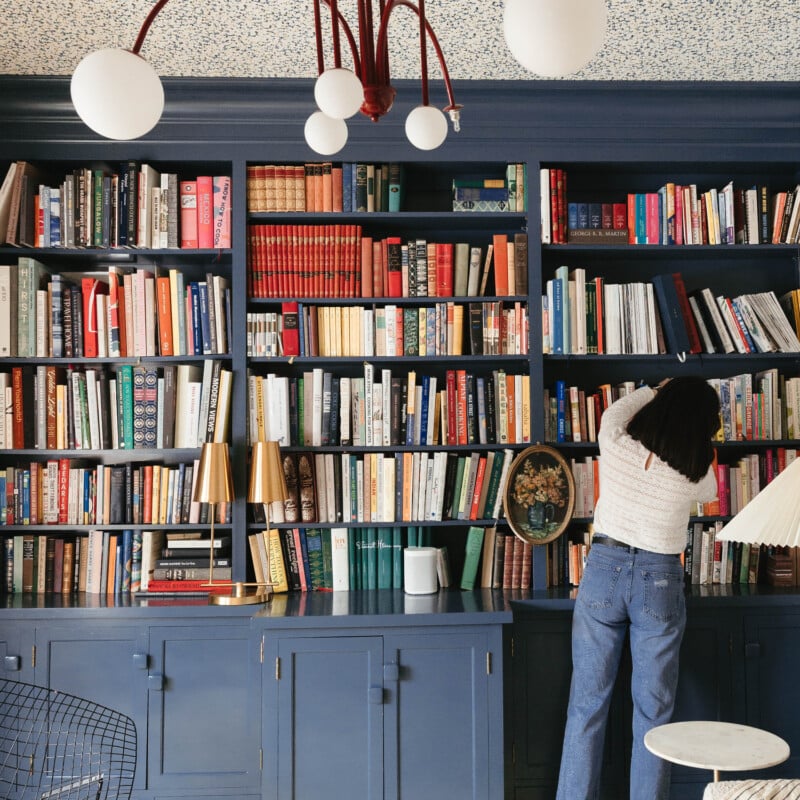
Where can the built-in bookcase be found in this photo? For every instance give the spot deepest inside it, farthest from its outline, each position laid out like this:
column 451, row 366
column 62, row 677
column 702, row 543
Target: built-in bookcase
column 117, row 364
column 760, row 434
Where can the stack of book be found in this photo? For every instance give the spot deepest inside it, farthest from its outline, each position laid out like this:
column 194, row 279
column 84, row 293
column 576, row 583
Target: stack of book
column 184, row 563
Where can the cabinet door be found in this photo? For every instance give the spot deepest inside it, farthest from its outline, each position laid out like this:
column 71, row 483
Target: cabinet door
column 772, row 651
column 438, row 732
column 103, row 661
column 324, row 733
column 204, row 705
column 15, row 652
column 541, row 672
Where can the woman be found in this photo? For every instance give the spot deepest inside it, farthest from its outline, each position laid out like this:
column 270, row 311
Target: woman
column 656, row 461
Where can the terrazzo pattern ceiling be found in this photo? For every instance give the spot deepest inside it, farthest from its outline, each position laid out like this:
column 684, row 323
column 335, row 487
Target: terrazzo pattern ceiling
column 711, row 40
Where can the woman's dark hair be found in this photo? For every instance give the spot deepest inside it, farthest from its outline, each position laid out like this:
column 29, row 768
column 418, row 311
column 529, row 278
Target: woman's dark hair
column 678, row 423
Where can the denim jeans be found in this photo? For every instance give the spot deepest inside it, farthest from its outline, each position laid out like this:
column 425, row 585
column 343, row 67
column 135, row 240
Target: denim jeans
column 621, row 591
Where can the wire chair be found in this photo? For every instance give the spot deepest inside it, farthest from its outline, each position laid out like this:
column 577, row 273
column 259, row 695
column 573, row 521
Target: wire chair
column 55, row 746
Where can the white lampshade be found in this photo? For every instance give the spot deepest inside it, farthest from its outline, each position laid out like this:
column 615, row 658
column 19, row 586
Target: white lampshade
column 554, row 37
column 325, row 135
column 117, row 94
column 426, row 127
column 339, row 93
column 772, row 516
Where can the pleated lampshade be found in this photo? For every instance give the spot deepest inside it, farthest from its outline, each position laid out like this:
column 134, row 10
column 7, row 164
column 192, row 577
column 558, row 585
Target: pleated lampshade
column 214, row 479
column 267, row 482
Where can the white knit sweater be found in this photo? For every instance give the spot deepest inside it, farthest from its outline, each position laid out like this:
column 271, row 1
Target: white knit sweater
column 643, row 507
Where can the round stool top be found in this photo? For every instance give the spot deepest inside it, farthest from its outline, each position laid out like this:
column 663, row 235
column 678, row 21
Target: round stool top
column 723, row 746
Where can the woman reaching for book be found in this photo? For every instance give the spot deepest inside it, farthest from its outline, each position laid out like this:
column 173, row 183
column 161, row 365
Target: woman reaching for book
column 656, row 461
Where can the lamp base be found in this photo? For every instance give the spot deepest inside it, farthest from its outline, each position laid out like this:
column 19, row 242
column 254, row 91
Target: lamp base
column 240, row 596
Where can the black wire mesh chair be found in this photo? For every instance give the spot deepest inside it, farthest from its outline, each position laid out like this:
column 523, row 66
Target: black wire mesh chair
column 55, row 746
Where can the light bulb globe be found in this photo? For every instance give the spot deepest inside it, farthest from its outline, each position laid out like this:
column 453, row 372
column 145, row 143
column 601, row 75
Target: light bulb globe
column 554, row 37
column 325, row 135
column 426, row 127
column 117, row 94
column 339, row 93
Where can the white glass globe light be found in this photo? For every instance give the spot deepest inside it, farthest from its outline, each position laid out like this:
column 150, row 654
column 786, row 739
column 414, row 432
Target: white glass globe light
column 325, row 135
column 339, row 93
column 117, row 94
column 554, row 37
column 426, row 127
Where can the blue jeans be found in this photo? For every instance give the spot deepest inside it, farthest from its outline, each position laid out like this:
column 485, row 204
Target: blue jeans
column 621, row 591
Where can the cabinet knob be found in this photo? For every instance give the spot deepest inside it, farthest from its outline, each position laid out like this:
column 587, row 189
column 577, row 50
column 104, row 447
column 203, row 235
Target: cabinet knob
column 140, row 660
column 155, row 682
column 11, row 663
column 391, row 672
column 375, row 695
column 752, row 650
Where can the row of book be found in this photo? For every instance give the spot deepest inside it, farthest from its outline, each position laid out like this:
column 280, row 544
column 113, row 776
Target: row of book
column 134, row 206
column 319, row 408
column 673, row 214
column 121, row 313
column 338, row 260
column 325, row 186
column 506, row 561
column 488, row 328
column 401, row 487
column 67, row 492
column 49, row 407
column 490, row 194
column 583, row 315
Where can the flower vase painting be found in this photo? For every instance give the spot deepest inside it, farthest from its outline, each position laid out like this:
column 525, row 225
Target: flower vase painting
column 539, row 494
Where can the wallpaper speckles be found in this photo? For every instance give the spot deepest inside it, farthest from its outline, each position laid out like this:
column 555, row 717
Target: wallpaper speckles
column 713, row 40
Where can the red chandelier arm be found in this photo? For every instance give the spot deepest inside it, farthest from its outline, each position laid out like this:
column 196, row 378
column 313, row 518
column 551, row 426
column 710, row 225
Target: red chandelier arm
column 382, row 50
column 351, row 40
column 137, row 46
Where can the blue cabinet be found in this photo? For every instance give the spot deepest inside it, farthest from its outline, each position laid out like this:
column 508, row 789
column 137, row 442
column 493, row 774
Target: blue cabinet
column 399, row 715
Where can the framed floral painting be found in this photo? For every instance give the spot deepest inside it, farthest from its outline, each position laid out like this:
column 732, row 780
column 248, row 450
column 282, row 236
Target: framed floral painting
column 539, row 494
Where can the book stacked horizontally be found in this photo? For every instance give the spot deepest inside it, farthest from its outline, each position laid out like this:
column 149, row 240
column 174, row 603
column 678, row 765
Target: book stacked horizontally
column 184, row 563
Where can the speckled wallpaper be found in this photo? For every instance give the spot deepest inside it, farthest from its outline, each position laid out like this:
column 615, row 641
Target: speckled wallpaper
column 708, row 40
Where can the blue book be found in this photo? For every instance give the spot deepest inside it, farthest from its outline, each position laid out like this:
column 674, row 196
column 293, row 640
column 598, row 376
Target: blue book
column 669, row 307
column 347, row 188
column 126, row 560
column 572, row 216
column 557, row 318
column 561, row 411
column 423, row 411
column 26, row 497
column 196, row 332
column 205, row 319
column 304, row 556
column 583, row 215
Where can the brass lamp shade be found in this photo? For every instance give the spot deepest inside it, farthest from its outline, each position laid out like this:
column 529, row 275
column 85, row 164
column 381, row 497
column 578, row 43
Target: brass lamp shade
column 267, row 482
column 215, row 479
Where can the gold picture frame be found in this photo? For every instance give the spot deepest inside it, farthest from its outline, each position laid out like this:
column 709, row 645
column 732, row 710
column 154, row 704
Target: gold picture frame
column 539, row 496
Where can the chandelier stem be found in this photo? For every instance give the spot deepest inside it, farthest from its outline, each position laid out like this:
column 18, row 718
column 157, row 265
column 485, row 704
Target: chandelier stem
column 137, row 45
column 351, row 40
column 318, row 35
column 365, row 27
column 337, row 55
column 423, row 52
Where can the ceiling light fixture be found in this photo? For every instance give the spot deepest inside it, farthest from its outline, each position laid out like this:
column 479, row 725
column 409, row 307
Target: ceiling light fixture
column 120, row 96
column 554, row 37
column 340, row 93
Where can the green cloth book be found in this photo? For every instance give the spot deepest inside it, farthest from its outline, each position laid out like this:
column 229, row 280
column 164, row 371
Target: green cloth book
column 472, row 556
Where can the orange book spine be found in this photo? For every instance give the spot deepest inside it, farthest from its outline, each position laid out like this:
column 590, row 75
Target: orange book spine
column 500, row 241
column 164, row 313
column 476, row 494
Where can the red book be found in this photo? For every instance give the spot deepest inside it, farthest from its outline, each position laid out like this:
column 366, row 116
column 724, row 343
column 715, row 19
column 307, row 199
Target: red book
column 452, row 432
column 653, row 218
column 18, row 408
column 291, row 329
column 500, row 241
column 196, row 586
column 607, row 216
column 620, row 216
column 366, row 266
column 63, row 491
column 377, row 269
column 205, row 211
column 222, row 211
column 476, row 494
column 556, row 232
column 394, row 266
column 90, row 288
column 461, row 406
column 444, row 269
column 688, row 316
column 188, row 198
column 164, row 315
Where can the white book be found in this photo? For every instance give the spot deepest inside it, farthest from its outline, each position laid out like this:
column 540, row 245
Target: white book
column 417, row 416
column 716, row 318
column 360, row 490
column 613, row 319
column 474, row 271
column 112, row 402
column 320, row 487
column 345, row 410
column 150, row 315
column 390, row 314
column 160, row 412
column 578, row 344
column 176, row 303
column 340, row 563
column 428, row 438
column 377, row 414
column 388, row 488
column 221, row 287
column 8, row 310
column 316, row 407
column 102, row 325
column 369, row 378
column 91, row 402
column 187, row 405
column 40, row 407
column 386, row 404
column 369, row 333
column 330, row 487
column 509, row 457
column 148, row 178
column 42, row 324
column 544, row 205
column 99, row 506
column 346, row 477
column 222, row 422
